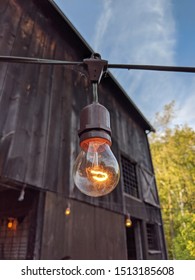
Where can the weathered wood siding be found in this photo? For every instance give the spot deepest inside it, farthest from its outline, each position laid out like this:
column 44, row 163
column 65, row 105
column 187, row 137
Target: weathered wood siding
column 35, row 101
column 88, row 233
column 39, row 118
column 40, row 105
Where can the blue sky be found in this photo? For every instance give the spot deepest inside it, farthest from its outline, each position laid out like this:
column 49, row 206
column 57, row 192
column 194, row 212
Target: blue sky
column 158, row 32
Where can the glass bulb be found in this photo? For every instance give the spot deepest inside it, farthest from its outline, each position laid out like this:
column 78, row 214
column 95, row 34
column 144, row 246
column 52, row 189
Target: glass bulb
column 96, row 170
column 12, row 224
column 67, row 211
column 128, row 222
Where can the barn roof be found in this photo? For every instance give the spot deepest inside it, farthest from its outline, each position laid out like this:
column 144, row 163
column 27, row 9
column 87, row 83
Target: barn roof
column 124, row 96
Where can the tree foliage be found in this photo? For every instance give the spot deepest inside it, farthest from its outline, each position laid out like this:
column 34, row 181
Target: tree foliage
column 173, row 152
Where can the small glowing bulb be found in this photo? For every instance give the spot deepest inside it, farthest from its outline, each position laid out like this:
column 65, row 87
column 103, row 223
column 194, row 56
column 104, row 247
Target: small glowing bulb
column 96, row 170
column 67, row 211
column 128, row 221
column 12, row 224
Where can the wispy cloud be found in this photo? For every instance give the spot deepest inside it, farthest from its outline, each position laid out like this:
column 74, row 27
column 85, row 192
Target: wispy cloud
column 136, row 30
column 103, row 23
column 142, row 32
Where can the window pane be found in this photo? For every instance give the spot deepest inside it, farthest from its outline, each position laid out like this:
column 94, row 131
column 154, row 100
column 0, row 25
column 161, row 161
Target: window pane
column 129, row 177
column 152, row 237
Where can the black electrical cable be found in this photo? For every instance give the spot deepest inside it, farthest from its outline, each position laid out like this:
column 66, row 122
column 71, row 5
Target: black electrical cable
column 32, row 60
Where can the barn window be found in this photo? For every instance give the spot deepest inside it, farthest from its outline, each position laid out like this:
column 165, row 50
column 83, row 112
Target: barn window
column 17, row 224
column 152, row 236
column 14, row 238
column 129, row 177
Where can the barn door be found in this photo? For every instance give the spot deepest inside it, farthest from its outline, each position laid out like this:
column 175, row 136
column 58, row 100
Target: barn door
column 148, row 186
column 134, row 241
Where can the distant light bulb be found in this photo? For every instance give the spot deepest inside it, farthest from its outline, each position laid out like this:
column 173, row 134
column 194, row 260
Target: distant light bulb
column 128, row 222
column 67, row 211
column 96, row 170
column 12, row 224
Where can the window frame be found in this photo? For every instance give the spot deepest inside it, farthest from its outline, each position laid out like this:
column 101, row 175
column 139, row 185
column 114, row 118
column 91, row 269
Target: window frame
column 154, row 233
column 126, row 157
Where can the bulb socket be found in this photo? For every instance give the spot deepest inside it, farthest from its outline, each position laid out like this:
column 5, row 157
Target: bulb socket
column 94, row 123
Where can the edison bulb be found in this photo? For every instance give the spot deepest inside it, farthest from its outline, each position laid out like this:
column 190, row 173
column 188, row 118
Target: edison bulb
column 67, row 211
column 96, row 170
column 128, row 222
column 10, row 224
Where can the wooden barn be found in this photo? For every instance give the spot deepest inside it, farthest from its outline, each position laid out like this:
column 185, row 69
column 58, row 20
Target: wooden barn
column 39, row 118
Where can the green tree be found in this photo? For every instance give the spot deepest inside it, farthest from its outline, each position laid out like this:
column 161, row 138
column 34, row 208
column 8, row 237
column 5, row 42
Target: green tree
column 173, row 152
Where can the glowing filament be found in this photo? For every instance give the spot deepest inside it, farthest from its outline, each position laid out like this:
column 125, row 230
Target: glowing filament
column 99, row 175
